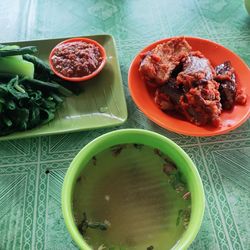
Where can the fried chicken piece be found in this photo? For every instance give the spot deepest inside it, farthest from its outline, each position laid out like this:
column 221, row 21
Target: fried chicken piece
column 196, row 68
column 159, row 63
column 225, row 75
column 168, row 96
column 241, row 97
column 201, row 105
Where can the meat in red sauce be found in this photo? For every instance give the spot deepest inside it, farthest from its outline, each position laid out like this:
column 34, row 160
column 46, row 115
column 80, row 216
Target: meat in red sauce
column 76, row 59
column 163, row 59
column 226, row 77
column 171, row 93
column 195, row 68
column 201, row 105
column 186, row 83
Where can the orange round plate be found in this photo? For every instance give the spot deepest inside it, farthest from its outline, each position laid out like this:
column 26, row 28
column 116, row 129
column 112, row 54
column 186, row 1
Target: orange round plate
column 217, row 54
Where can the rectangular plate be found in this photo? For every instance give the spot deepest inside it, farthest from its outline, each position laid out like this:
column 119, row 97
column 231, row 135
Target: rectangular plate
column 101, row 104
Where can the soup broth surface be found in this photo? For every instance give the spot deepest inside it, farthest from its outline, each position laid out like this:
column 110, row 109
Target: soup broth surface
column 139, row 195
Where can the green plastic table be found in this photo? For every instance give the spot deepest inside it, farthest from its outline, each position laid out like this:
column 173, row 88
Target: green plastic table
column 30, row 208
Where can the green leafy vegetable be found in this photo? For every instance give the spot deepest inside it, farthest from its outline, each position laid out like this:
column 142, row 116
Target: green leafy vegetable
column 26, row 103
column 40, row 66
column 30, row 93
column 17, row 51
column 48, row 86
column 85, row 224
column 16, row 66
column 150, row 248
column 15, row 89
column 10, row 47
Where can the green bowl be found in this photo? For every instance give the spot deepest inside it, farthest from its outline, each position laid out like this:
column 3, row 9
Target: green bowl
column 247, row 5
column 135, row 137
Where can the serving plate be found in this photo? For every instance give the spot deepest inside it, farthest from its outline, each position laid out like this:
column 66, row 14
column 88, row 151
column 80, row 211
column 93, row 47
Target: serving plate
column 217, row 54
column 100, row 104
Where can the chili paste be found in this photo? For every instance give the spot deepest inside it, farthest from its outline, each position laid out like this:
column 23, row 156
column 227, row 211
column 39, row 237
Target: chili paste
column 76, row 59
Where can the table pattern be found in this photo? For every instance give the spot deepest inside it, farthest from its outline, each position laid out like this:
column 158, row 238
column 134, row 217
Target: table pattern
column 32, row 170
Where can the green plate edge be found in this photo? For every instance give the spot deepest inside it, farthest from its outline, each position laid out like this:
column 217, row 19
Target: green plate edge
column 103, row 120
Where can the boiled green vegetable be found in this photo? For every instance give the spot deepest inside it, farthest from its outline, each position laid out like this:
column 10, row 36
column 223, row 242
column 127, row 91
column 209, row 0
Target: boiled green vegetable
column 40, row 66
column 16, row 66
column 11, row 60
column 49, row 86
column 85, row 224
column 10, row 47
column 25, row 101
column 5, row 51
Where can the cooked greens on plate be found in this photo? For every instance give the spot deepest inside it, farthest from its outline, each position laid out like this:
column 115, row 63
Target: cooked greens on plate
column 30, row 93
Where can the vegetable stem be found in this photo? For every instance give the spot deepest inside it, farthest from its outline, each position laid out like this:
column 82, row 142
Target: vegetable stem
column 50, row 85
column 19, row 51
column 39, row 64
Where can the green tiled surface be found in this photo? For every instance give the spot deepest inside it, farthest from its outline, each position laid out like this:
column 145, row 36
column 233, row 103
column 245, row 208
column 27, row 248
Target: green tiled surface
column 30, row 214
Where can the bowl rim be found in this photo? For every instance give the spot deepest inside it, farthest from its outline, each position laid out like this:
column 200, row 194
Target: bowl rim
column 158, row 120
column 82, row 78
column 198, row 196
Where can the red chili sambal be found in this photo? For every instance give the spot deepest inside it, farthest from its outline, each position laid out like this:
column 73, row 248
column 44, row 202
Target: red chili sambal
column 76, row 59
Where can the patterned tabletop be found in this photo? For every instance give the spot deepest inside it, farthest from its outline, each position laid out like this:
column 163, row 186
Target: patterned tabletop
column 30, row 209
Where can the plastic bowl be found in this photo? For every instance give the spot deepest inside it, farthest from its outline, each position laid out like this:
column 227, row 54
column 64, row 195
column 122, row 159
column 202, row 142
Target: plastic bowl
column 247, row 5
column 83, row 78
column 135, row 136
